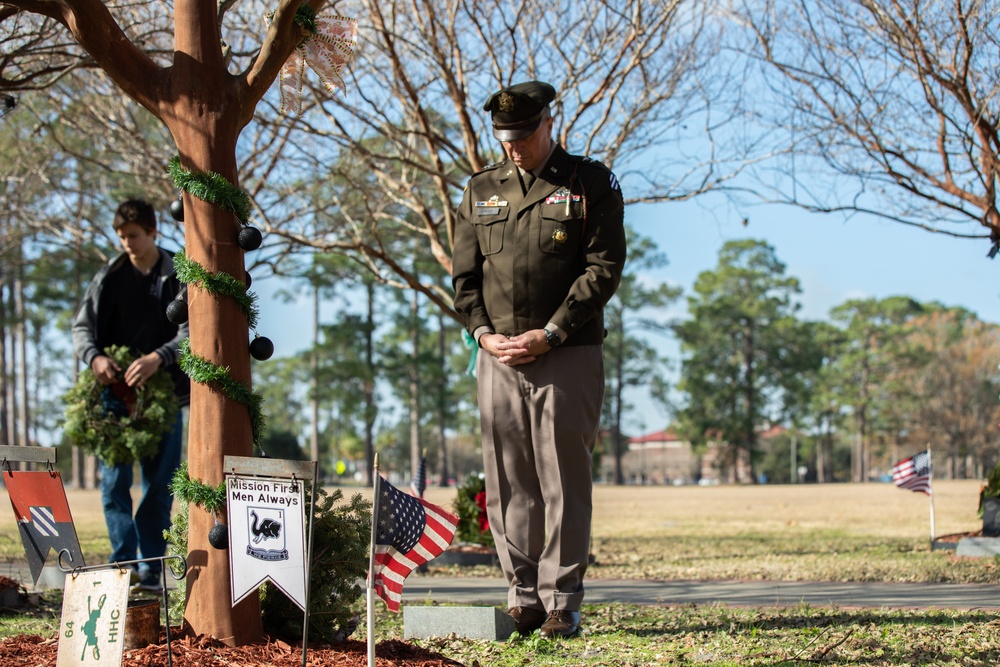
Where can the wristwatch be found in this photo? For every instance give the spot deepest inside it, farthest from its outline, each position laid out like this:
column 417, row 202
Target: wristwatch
column 552, row 338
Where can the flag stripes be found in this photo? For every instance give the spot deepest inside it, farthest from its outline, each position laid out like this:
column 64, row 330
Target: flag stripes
column 399, row 519
column 913, row 473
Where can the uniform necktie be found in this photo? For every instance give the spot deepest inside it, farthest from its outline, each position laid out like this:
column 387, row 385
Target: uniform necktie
column 529, row 178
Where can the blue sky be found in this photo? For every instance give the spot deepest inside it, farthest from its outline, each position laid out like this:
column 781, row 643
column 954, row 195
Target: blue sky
column 834, row 260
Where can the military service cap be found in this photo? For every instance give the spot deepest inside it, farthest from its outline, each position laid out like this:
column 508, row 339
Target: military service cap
column 518, row 110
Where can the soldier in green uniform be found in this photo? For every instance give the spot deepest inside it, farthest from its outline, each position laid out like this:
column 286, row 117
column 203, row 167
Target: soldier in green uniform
column 539, row 250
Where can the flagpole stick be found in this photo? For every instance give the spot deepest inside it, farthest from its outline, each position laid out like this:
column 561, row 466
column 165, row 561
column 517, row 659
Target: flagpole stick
column 309, row 551
column 371, row 568
column 930, row 484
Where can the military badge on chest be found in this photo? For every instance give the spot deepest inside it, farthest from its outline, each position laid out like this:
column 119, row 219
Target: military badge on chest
column 490, row 207
column 563, row 196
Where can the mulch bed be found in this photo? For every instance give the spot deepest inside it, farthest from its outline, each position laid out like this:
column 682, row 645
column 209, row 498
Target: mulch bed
column 36, row 651
column 955, row 538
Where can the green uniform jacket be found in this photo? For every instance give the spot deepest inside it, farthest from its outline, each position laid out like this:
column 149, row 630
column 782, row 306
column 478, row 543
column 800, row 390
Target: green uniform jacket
column 553, row 255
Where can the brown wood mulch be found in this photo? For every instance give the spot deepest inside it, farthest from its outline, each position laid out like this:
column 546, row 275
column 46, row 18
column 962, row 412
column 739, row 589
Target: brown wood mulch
column 36, row 651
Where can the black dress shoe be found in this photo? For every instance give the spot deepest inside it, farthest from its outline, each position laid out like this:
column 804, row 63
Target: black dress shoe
column 561, row 623
column 528, row 620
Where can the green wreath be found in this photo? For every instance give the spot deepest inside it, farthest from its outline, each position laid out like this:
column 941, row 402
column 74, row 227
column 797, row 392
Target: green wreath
column 118, row 423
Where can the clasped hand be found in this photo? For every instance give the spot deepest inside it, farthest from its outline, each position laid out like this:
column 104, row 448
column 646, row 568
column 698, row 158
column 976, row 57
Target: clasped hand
column 516, row 350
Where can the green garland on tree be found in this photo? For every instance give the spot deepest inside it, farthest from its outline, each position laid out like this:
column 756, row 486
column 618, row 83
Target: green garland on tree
column 190, row 272
column 205, row 372
column 211, row 187
column 215, row 189
column 305, row 16
column 212, row 499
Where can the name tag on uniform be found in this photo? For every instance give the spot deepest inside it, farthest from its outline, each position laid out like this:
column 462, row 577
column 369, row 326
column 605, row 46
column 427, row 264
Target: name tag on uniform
column 491, row 207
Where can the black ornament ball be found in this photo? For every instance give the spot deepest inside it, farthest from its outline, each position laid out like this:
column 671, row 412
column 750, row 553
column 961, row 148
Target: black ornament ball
column 261, row 348
column 250, row 238
column 218, row 537
column 249, row 280
column 177, row 209
column 177, row 311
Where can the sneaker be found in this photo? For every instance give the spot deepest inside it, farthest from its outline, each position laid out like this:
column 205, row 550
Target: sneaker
column 149, row 583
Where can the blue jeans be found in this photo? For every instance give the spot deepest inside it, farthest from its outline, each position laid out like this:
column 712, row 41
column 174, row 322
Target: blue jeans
column 144, row 534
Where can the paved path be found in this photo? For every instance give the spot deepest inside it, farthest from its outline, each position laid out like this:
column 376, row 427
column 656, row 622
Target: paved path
column 492, row 591
column 742, row 593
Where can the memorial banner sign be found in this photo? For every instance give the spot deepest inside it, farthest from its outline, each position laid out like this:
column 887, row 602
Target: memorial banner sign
column 266, row 535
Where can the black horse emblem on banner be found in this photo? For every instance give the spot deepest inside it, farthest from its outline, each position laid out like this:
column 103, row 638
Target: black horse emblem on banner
column 267, row 530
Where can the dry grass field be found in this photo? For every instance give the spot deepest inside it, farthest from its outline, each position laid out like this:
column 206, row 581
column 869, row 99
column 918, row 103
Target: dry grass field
column 818, row 532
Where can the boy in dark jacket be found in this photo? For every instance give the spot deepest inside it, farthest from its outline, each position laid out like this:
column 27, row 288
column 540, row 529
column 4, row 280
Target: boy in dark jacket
column 125, row 304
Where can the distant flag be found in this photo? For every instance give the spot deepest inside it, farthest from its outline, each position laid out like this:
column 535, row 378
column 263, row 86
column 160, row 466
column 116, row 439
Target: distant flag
column 419, row 483
column 914, row 473
column 409, row 532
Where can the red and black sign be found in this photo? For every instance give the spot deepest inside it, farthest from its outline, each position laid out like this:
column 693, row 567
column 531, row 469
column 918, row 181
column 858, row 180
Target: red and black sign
column 43, row 518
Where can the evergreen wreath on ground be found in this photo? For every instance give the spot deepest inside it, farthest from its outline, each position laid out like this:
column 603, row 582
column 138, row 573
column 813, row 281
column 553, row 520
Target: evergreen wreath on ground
column 473, row 526
column 118, row 423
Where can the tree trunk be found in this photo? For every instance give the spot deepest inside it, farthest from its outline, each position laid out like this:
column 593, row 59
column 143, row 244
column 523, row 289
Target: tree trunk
column 370, row 387
column 616, row 426
column 749, row 380
column 24, row 394
column 219, row 331
column 314, row 382
column 5, row 437
column 443, row 404
column 13, row 372
column 205, row 108
column 414, row 386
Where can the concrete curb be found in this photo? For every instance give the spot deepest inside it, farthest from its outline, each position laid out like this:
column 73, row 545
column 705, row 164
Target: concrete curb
column 493, row 591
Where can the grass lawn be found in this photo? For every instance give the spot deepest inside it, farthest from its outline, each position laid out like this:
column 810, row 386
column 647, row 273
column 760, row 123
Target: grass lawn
column 844, row 532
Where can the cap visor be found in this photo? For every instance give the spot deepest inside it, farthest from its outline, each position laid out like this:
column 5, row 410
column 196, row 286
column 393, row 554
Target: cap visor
column 514, row 134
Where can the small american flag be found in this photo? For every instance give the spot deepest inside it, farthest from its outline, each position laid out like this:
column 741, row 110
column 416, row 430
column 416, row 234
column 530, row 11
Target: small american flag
column 914, row 473
column 410, row 532
column 419, row 483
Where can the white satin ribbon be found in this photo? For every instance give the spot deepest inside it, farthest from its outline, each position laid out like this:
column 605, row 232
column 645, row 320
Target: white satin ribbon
column 327, row 51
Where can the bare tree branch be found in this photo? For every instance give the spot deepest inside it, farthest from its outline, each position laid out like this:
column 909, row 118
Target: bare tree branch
column 889, row 108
